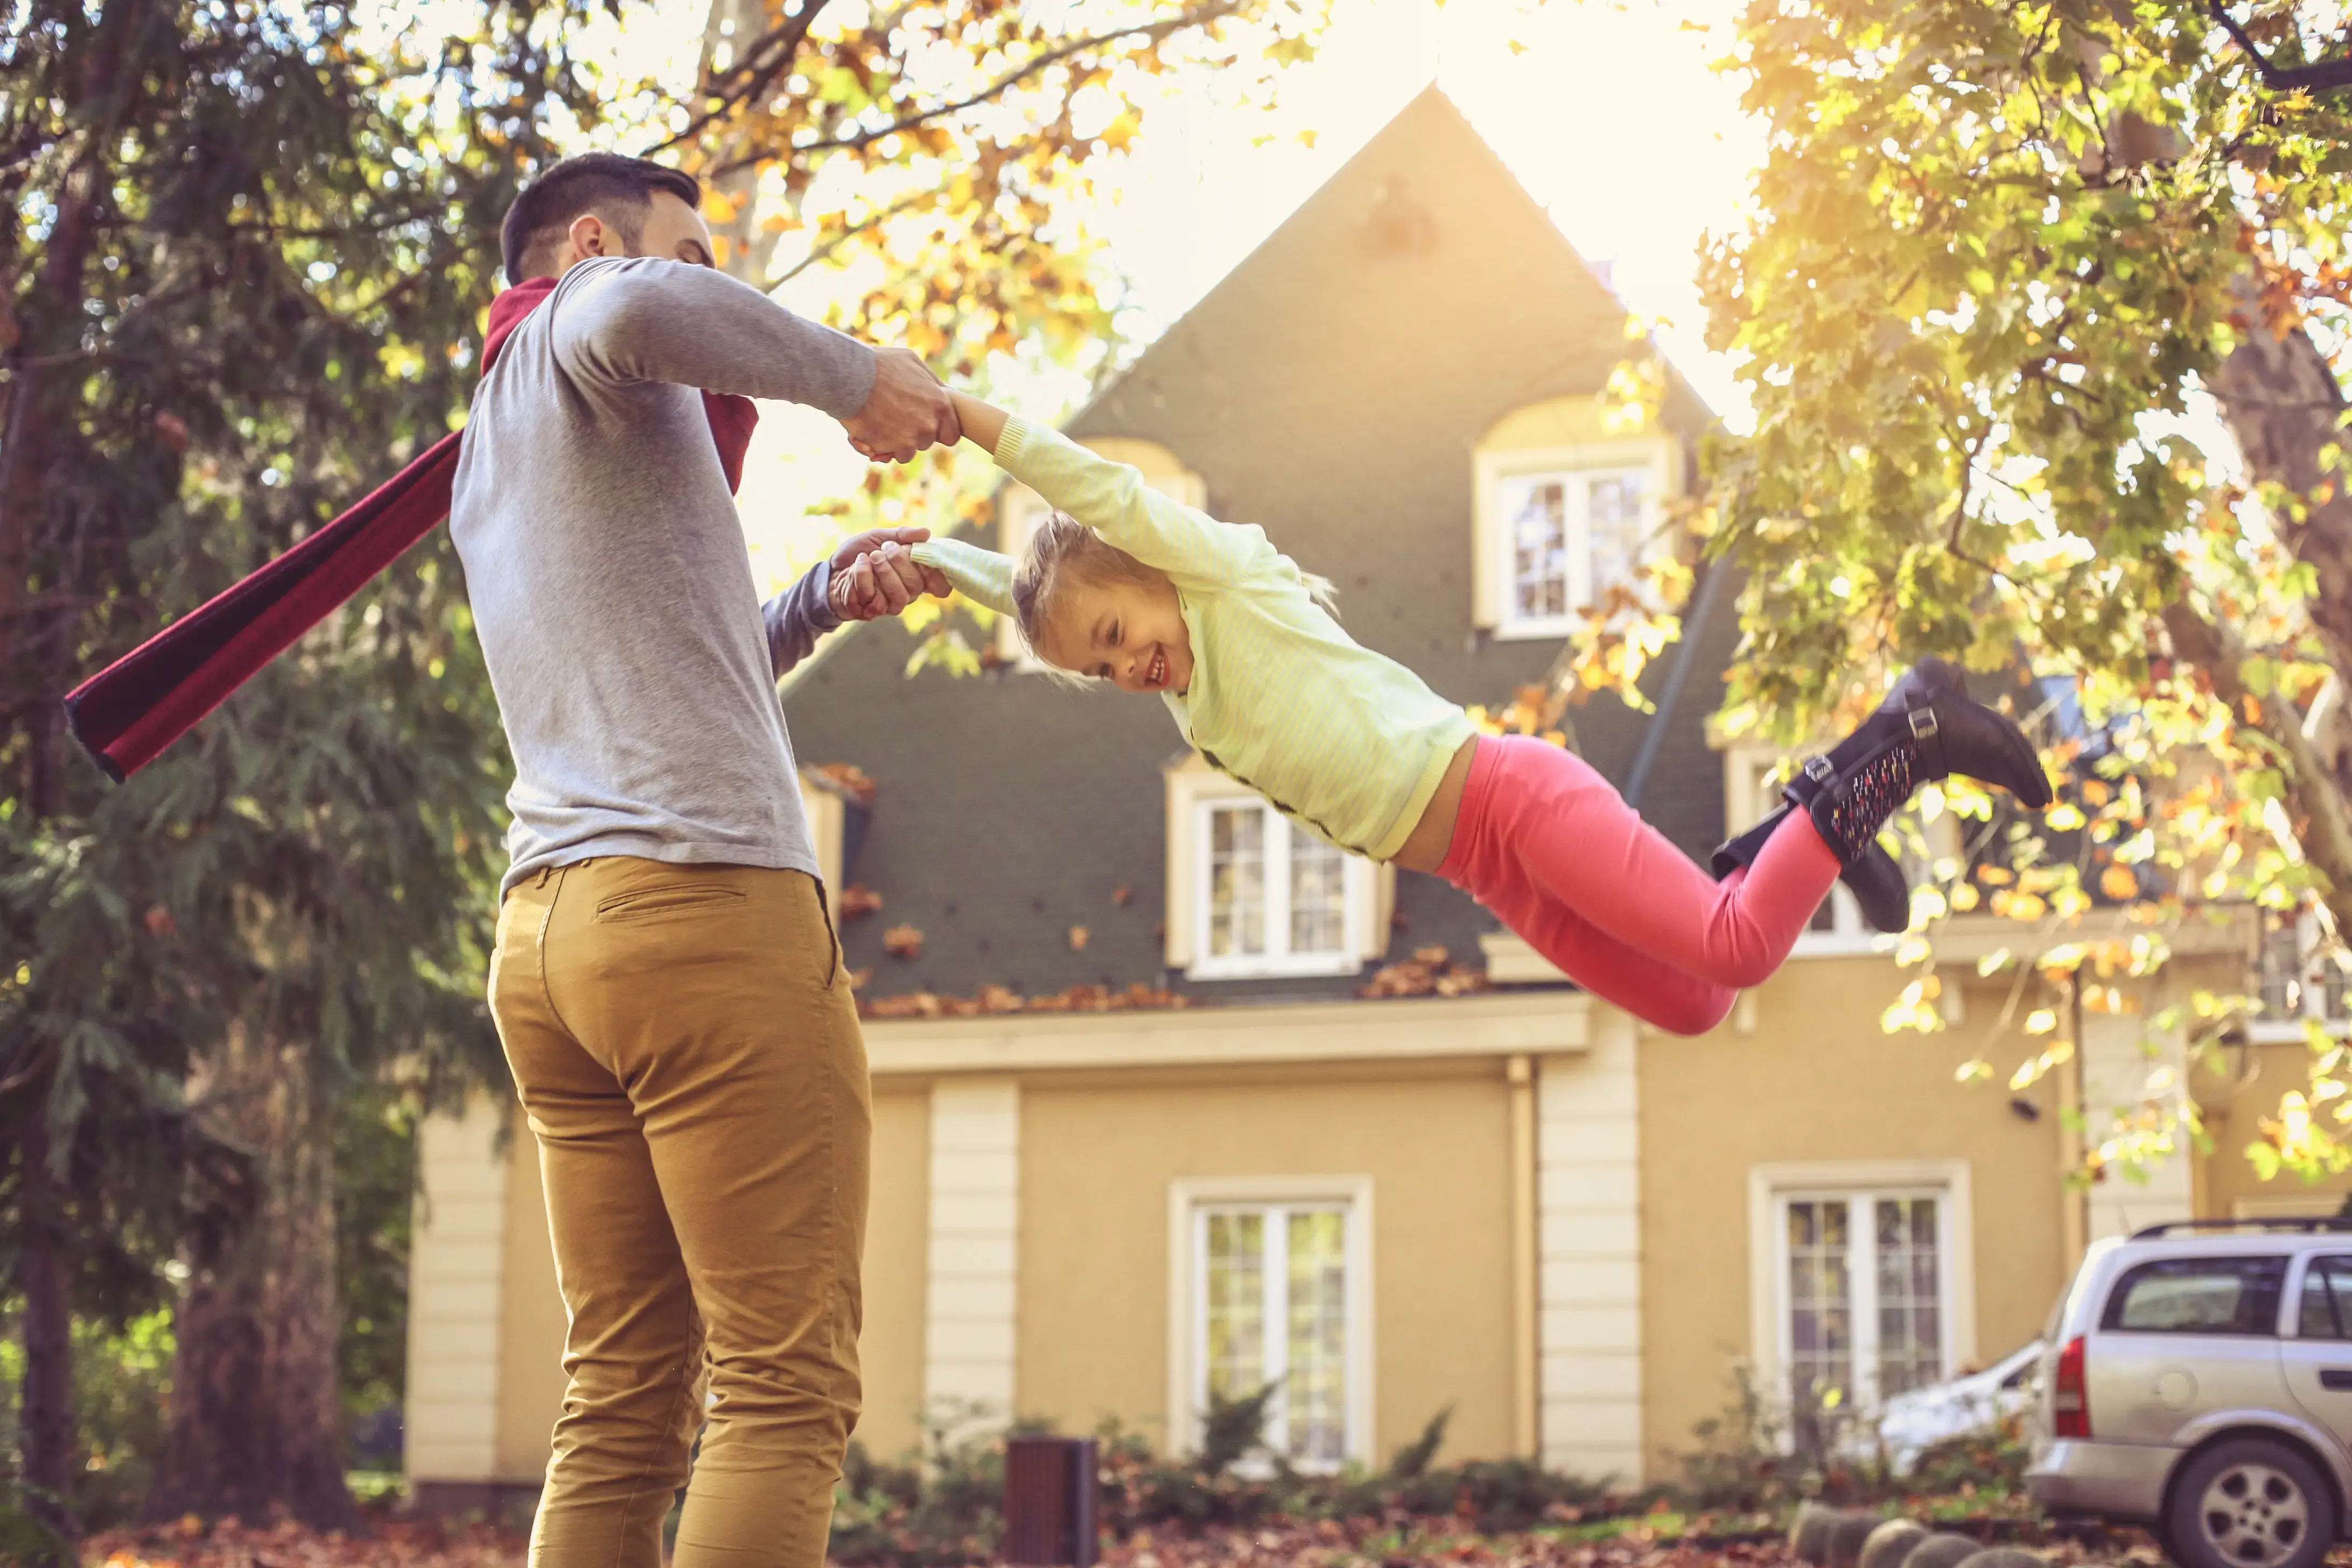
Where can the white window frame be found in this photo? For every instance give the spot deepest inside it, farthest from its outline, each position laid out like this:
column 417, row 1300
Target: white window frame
column 1190, row 1200
column 1651, row 458
column 2311, row 1003
column 1189, row 781
column 1770, row 1188
column 1357, row 898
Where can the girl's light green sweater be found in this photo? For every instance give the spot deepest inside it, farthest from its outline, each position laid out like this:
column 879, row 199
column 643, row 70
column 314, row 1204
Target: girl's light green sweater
column 1344, row 740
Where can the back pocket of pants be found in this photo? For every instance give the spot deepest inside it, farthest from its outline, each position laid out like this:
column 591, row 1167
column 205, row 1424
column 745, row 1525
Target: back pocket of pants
column 675, row 899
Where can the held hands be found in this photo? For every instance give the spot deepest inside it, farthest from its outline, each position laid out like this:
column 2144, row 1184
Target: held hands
column 906, row 410
column 875, row 574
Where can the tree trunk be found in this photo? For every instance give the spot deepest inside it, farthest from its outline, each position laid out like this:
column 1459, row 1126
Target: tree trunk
column 256, row 1427
column 49, row 1434
column 2282, row 404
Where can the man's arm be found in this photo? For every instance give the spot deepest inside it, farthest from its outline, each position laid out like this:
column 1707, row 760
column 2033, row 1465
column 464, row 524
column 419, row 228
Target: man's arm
column 643, row 318
column 872, row 574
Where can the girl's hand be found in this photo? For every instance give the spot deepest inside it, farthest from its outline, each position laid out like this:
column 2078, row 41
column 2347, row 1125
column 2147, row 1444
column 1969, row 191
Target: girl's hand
column 874, row 573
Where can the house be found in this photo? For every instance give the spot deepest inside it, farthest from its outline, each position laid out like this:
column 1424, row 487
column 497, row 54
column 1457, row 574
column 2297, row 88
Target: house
column 1505, row 1198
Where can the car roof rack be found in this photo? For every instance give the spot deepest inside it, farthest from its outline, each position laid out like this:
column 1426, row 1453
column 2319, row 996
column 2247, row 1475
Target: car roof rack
column 2306, row 1223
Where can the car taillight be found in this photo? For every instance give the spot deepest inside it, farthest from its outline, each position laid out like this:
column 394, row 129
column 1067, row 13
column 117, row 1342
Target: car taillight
column 2070, row 1399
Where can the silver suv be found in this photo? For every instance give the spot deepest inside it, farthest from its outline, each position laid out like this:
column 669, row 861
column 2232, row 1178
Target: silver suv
column 2198, row 1378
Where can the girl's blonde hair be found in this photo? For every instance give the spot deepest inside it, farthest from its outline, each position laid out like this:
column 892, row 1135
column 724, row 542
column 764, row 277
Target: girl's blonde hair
column 1064, row 553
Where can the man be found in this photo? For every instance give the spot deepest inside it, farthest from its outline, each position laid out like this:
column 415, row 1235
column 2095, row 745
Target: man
column 667, row 983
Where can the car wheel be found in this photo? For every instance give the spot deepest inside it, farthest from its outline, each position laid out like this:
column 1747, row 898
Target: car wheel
column 2250, row 1502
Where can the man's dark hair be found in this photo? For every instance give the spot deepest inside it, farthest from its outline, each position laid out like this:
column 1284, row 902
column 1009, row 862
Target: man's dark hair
column 618, row 189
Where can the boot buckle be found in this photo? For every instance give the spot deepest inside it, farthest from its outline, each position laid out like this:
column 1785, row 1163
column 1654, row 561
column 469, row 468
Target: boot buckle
column 1923, row 723
column 1819, row 769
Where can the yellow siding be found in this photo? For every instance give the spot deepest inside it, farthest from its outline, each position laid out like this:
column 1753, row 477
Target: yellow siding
column 2239, row 1094
column 530, row 1342
column 1819, row 1081
column 890, row 1348
column 1096, row 1164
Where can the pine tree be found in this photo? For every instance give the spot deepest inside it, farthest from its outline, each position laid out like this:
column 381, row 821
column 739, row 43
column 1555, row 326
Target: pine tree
column 244, row 269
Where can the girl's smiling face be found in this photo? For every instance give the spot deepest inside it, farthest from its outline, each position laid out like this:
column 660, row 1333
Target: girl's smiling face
column 1131, row 634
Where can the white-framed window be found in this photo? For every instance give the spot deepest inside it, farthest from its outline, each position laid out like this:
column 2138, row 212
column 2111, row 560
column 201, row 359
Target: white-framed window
column 1261, row 886
column 1864, row 1285
column 2304, row 979
column 1270, row 897
column 1568, row 535
column 1272, row 1282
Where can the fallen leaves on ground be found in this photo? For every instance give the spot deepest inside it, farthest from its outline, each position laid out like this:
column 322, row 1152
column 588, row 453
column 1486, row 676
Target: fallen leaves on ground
column 396, row 1543
column 1373, row 1544
column 1323, row 1543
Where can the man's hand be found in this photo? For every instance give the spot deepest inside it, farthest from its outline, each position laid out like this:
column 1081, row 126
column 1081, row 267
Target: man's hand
column 874, row 574
column 906, row 410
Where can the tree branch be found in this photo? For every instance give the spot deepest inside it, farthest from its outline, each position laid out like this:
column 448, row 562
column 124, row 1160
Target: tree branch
column 786, row 40
column 2326, row 838
column 904, row 203
column 1195, row 16
column 2326, row 76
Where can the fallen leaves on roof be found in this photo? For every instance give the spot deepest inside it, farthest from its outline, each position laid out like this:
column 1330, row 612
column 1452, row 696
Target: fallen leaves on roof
column 903, row 941
column 1429, row 972
column 994, row 999
column 849, row 779
column 858, row 901
column 1122, row 895
column 1079, row 937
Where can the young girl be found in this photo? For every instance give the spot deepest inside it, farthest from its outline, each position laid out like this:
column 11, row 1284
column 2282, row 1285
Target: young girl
column 1128, row 587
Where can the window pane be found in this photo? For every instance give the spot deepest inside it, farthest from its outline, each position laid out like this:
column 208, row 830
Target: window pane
column 1237, row 880
column 1821, row 1306
column 1613, row 512
column 2326, row 1310
column 1234, row 1313
column 1319, row 895
column 1315, row 1387
column 1910, row 1295
column 1537, row 514
column 2199, row 1296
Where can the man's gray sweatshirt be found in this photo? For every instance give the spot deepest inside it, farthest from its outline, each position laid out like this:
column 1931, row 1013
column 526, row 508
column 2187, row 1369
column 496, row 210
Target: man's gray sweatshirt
column 635, row 665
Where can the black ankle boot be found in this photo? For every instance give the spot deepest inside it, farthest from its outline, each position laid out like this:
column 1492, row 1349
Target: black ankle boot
column 1928, row 728
column 1874, row 877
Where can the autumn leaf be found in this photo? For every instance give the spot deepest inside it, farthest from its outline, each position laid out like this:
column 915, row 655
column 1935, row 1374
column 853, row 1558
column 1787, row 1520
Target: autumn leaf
column 1078, row 938
column 903, row 941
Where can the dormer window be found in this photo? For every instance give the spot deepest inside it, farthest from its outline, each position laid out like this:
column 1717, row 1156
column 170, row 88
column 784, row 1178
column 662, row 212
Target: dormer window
column 1567, row 508
column 1571, row 534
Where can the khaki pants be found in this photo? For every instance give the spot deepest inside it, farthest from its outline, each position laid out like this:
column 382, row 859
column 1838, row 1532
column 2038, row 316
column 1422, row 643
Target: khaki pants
column 688, row 1056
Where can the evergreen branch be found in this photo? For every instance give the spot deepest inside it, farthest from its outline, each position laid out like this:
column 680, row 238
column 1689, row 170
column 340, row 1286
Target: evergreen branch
column 1197, row 16
column 2326, row 76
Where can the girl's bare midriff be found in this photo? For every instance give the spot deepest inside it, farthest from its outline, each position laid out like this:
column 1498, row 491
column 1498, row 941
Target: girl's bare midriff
column 1425, row 847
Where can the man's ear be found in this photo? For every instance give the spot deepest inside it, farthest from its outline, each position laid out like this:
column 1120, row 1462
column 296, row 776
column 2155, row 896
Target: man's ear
column 588, row 236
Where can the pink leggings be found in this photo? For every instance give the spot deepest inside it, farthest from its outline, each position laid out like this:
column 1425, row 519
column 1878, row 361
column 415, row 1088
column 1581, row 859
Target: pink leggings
column 1556, row 853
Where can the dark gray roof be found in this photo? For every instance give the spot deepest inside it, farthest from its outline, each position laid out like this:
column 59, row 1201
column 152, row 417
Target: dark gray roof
column 1331, row 388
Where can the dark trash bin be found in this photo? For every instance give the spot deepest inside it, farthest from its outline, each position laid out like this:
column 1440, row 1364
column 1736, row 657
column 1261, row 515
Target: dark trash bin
column 1049, row 1503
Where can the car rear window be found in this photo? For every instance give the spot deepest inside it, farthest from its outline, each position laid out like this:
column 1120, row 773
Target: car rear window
column 2197, row 1295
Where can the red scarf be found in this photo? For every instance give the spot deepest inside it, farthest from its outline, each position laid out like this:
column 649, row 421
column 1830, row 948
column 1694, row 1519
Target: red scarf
column 152, row 695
